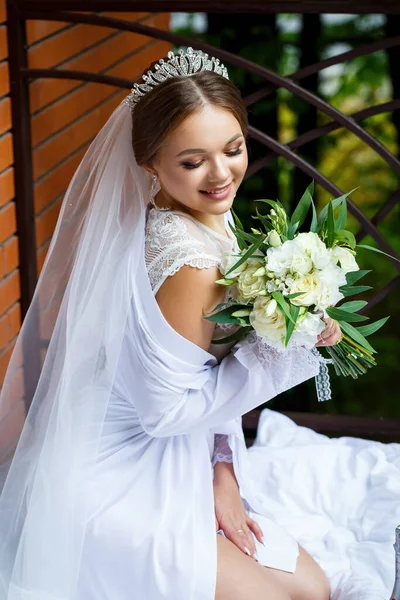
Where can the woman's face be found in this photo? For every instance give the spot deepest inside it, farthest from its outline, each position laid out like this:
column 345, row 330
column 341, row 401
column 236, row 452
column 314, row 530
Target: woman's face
column 207, row 151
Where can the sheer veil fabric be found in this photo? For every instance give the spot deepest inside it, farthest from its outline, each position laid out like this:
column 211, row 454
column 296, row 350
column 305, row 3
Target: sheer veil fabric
column 80, row 304
column 95, row 307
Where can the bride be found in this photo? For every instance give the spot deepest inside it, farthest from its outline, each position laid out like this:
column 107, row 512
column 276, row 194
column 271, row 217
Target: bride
column 128, row 477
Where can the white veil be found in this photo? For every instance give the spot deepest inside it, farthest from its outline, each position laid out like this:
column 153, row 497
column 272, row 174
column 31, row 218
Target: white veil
column 79, row 310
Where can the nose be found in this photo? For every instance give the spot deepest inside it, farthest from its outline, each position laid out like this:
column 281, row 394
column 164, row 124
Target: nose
column 219, row 172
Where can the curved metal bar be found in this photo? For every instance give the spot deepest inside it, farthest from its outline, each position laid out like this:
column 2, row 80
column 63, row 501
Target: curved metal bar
column 79, row 75
column 287, row 153
column 324, row 64
column 379, row 296
column 318, row 132
column 276, row 80
column 386, row 208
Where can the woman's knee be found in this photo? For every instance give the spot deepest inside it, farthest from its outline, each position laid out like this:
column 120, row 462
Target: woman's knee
column 313, row 583
column 240, row 577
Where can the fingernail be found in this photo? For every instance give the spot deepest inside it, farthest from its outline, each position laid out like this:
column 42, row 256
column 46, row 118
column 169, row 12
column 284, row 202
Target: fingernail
column 263, row 540
column 247, row 550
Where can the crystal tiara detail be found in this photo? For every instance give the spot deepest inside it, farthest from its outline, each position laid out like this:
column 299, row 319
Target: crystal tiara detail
column 183, row 64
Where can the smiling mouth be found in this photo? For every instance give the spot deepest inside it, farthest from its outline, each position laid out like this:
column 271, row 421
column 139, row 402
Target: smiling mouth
column 217, row 190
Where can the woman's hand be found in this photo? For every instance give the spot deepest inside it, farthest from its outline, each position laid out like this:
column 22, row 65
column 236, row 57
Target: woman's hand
column 230, row 514
column 331, row 334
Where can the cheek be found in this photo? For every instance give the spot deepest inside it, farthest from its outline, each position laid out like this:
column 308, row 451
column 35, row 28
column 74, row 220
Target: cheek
column 241, row 165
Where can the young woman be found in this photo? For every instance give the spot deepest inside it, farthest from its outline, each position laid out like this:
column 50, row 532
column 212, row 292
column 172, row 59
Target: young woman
column 129, row 479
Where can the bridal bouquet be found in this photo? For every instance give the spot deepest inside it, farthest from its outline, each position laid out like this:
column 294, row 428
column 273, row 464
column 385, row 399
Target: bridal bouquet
column 283, row 283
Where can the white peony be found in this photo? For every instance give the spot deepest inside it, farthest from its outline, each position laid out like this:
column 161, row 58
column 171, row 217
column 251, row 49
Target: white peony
column 329, row 281
column 345, row 258
column 308, row 327
column 272, row 327
column 315, row 248
column 309, row 285
column 227, row 262
column 249, row 285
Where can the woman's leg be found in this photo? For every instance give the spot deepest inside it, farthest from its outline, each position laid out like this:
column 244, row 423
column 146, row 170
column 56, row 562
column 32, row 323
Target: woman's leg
column 308, row 582
column 240, row 577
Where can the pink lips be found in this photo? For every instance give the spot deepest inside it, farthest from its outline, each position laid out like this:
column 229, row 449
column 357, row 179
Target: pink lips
column 218, row 196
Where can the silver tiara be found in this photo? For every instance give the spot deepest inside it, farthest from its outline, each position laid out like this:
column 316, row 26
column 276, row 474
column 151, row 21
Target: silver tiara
column 183, row 64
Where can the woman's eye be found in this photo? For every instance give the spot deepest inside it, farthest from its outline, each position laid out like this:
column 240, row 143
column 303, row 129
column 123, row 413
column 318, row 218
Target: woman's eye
column 188, row 165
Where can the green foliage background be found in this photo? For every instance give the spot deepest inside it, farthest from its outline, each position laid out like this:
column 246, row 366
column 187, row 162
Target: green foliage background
column 277, row 42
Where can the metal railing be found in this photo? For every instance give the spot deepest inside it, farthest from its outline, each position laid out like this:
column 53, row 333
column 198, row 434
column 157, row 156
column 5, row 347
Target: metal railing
column 19, row 11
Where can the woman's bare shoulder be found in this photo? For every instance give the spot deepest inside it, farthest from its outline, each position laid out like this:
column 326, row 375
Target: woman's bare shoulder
column 186, row 297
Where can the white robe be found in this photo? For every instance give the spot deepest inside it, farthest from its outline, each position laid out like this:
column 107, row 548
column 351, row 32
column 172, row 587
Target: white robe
column 151, row 532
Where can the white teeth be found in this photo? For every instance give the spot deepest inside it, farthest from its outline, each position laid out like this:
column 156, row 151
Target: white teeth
column 217, row 191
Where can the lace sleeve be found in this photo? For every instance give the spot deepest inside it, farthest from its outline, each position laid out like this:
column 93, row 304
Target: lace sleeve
column 222, row 450
column 288, row 368
column 172, row 242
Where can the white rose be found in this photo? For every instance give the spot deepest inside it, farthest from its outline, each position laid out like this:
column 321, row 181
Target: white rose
column 227, row 262
column 234, row 294
column 308, row 327
column 346, row 258
column 309, row 285
column 329, row 281
column 315, row 248
column 272, row 327
column 251, row 286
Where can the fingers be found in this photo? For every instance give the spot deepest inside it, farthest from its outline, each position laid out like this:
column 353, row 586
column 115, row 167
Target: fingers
column 242, row 539
column 331, row 334
column 256, row 529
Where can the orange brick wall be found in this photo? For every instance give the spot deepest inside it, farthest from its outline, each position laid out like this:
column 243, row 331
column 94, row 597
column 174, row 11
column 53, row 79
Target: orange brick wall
column 65, row 116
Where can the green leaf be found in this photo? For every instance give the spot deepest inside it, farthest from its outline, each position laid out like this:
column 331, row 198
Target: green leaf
column 335, row 203
column 314, row 222
column 301, row 210
column 247, row 254
column 352, row 290
column 292, row 230
column 267, row 224
column 273, row 203
column 353, row 276
column 377, row 250
column 371, row 328
column 353, row 306
column 283, row 304
column 354, row 334
column 343, row 315
column 295, row 310
column 347, row 237
column 342, row 217
column 225, row 315
column 242, row 245
column 330, row 226
column 289, row 296
column 243, row 235
column 237, row 220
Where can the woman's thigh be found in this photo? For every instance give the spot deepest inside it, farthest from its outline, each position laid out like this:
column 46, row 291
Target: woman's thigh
column 240, row 577
column 308, row 582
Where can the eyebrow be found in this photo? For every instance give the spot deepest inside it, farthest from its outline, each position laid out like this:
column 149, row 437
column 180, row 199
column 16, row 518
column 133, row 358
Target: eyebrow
column 197, row 150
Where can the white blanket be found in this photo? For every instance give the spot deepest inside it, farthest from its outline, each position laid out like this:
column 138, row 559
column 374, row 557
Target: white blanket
column 340, row 498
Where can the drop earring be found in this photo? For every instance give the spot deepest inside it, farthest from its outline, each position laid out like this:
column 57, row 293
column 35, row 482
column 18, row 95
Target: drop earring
column 152, row 188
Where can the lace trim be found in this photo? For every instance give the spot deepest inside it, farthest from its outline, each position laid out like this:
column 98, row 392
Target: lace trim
column 287, row 369
column 169, row 247
column 222, row 450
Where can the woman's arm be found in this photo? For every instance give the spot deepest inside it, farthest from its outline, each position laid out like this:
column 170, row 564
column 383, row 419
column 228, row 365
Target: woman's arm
column 174, row 402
